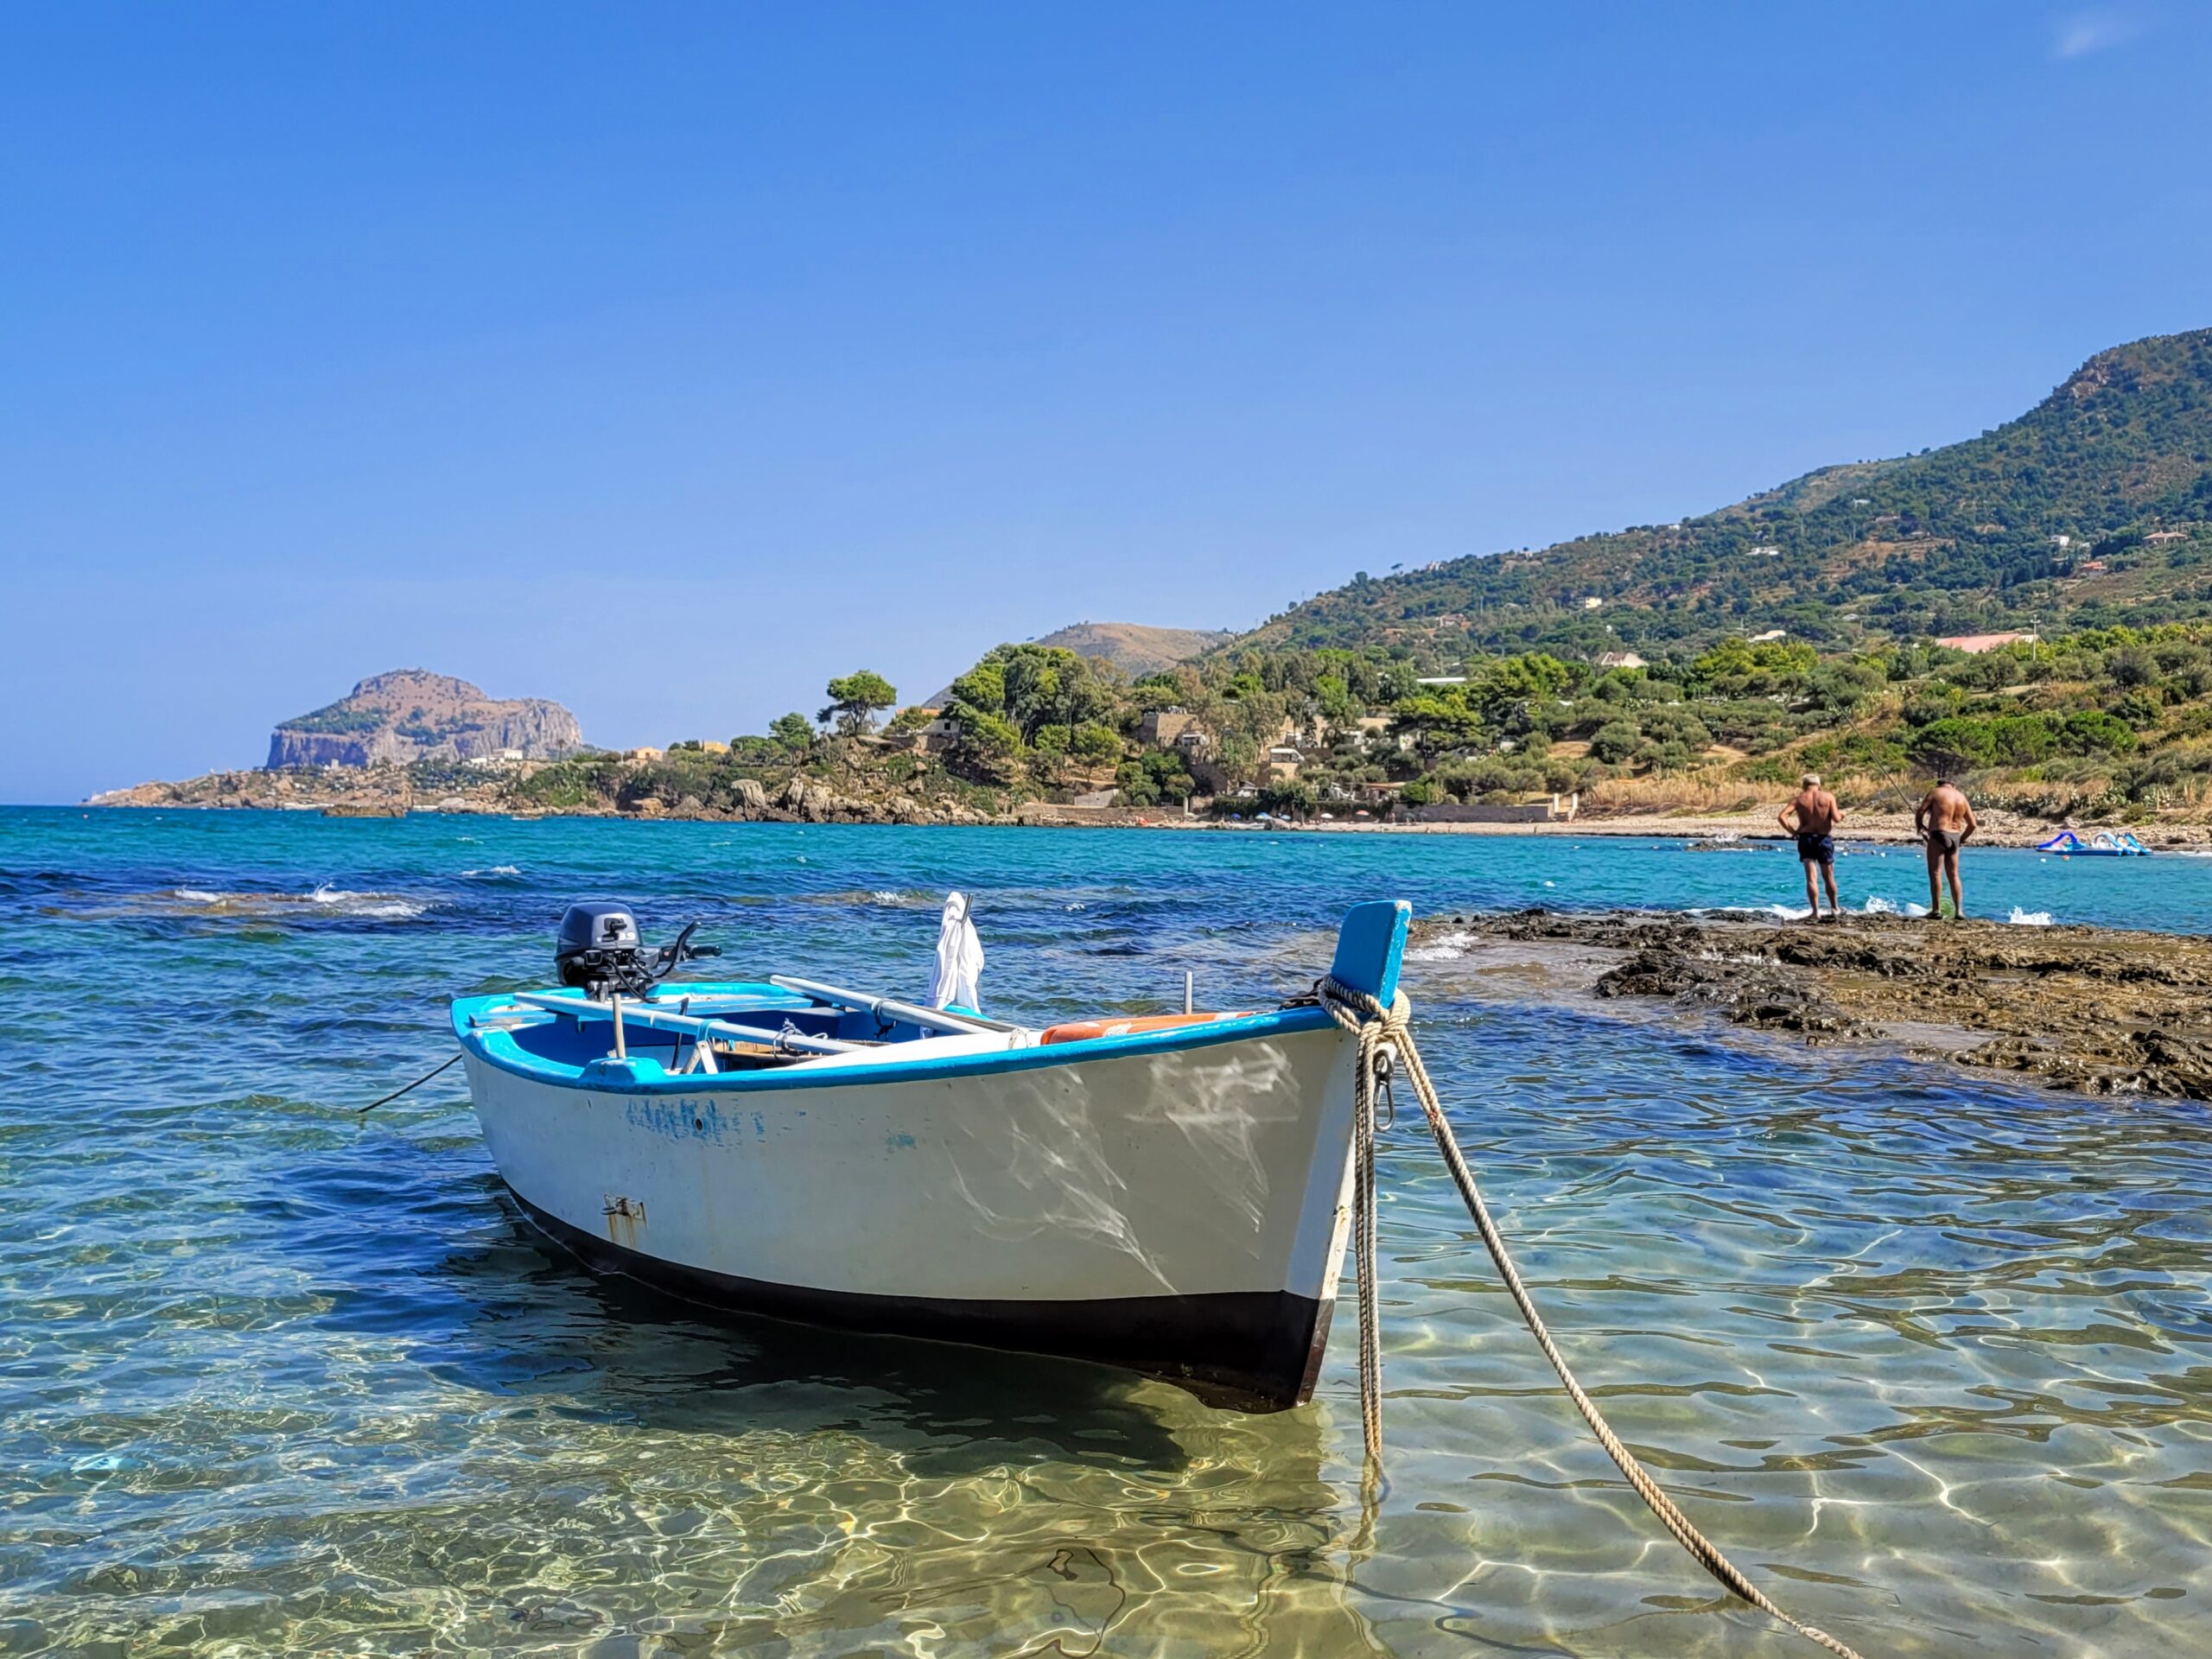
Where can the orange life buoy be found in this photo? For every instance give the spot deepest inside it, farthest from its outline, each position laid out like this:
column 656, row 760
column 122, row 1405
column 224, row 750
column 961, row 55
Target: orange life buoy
column 1080, row 1030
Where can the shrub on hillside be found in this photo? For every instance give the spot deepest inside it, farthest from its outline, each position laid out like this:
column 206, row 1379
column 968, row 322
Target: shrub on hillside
column 1615, row 741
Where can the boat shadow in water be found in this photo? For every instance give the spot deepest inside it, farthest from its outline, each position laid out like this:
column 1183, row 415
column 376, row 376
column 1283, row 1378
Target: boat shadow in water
column 624, row 1350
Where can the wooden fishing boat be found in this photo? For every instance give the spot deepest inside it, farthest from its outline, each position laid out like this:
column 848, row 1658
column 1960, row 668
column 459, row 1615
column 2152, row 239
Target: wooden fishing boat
column 1170, row 1195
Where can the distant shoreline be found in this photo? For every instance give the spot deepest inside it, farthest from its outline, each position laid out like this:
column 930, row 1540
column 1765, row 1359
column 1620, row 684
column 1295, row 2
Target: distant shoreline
column 1999, row 830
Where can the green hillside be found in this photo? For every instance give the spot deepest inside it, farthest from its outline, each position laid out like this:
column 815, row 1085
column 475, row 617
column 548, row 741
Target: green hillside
column 2118, row 461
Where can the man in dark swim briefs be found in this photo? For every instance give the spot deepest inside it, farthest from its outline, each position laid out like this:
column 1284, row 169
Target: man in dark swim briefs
column 1817, row 815
column 1944, row 820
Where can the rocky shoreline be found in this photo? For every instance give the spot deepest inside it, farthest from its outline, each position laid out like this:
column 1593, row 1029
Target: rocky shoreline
column 386, row 791
column 2093, row 1010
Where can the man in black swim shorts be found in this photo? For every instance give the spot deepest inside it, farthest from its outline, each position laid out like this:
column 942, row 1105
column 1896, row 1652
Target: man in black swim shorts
column 1944, row 819
column 1817, row 815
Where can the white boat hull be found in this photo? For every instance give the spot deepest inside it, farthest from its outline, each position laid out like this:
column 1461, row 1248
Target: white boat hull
column 1177, row 1207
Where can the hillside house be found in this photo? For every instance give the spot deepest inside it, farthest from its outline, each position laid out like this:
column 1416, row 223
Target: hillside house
column 1163, row 728
column 2161, row 536
column 1283, row 763
column 1621, row 659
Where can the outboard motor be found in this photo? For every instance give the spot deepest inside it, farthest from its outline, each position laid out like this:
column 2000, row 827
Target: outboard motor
column 599, row 950
column 598, row 946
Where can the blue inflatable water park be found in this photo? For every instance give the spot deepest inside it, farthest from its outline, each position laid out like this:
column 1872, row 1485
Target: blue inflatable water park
column 2106, row 843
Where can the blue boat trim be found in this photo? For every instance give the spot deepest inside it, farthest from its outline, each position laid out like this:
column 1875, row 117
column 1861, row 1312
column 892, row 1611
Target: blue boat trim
column 1257, row 1350
column 1371, row 947
column 640, row 1075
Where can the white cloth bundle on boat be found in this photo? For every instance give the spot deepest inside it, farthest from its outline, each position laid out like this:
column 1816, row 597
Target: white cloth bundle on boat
column 959, row 973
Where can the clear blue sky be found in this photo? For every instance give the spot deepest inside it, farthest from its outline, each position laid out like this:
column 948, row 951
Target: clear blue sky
column 666, row 360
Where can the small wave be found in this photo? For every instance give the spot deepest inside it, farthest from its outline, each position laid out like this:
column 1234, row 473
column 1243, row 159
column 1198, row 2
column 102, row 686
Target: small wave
column 1878, row 905
column 366, row 904
column 1448, row 947
column 2020, row 917
column 909, row 898
column 1875, row 905
column 493, row 872
column 325, row 900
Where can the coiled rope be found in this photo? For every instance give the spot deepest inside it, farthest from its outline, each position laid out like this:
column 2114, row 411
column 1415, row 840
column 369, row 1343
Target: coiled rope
column 1386, row 1040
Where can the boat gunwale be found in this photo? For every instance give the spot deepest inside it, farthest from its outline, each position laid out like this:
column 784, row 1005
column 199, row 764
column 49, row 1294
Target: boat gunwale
column 495, row 1047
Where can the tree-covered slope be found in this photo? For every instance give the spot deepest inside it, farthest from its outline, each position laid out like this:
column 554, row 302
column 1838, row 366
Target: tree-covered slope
column 1956, row 540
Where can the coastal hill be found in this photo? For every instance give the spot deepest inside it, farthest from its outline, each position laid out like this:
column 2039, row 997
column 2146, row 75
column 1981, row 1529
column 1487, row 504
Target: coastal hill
column 1134, row 648
column 2091, row 511
column 2079, row 511
column 409, row 715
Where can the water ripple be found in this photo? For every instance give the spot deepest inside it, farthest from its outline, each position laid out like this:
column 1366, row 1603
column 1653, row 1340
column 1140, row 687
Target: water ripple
column 1931, row 1356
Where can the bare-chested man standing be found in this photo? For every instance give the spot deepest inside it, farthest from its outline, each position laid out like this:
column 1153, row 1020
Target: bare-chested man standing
column 1817, row 817
column 1945, row 819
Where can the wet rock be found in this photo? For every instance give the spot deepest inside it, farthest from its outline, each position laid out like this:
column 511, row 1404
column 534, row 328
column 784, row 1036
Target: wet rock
column 1749, row 993
column 2090, row 1009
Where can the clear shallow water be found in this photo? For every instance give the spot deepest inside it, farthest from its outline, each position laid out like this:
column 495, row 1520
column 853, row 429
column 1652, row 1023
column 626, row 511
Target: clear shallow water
column 1928, row 1356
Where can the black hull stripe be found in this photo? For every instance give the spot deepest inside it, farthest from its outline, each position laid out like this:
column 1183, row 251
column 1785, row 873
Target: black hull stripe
column 1259, row 1351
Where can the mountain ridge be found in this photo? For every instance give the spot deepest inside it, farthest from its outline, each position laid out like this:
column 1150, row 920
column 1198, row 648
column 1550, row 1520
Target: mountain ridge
column 2086, row 506
column 1137, row 648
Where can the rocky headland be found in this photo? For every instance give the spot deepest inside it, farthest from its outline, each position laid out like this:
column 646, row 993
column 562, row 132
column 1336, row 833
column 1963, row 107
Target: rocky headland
column 2094, row 1010
column 410, row 715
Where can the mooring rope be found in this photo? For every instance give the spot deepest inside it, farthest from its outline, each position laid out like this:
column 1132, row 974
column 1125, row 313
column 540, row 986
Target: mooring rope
column 383, row 1100
column 1386, row 1037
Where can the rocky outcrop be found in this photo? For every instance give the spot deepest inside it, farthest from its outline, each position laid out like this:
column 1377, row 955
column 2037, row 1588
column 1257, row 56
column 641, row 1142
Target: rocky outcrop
column 409, row 715
column 2094, row 1010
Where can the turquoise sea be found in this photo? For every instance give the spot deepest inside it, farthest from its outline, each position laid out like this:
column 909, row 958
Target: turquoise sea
column 1930, row 1355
